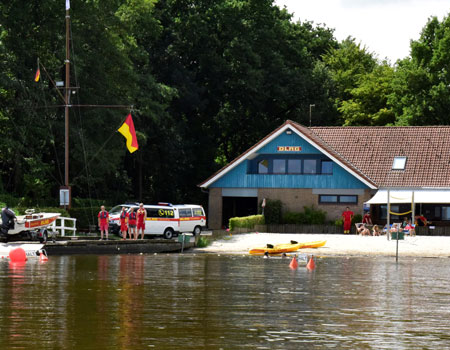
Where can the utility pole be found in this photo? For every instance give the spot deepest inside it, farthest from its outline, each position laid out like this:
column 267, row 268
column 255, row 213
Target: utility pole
column 310, row 106
column 66, row 107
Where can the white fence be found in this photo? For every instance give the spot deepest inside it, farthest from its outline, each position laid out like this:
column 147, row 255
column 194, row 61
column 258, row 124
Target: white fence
column 62, row 228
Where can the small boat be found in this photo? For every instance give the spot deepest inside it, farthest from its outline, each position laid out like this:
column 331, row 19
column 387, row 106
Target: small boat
column 285, row 248
column 31, row 225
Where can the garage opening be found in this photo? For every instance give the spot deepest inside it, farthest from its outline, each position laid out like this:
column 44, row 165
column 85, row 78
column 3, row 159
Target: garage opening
column 238, row 206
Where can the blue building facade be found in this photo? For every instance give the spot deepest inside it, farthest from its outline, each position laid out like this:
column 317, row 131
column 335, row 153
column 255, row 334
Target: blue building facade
column 291, row 166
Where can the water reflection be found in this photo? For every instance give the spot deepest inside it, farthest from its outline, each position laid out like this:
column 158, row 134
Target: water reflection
column 229, row 302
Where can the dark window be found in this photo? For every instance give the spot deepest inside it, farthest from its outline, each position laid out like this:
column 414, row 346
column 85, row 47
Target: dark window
column 185, row 213
column 294, row 166
column 263, row 166
column 310, row 166
column 279, row 166
column 160, row 213
column 327, row 167
column 342, row 199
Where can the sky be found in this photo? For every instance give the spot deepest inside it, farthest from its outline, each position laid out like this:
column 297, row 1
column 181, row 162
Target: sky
column 384, row 27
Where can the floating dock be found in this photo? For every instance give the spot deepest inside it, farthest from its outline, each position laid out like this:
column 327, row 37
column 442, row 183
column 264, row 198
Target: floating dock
column 89, row 246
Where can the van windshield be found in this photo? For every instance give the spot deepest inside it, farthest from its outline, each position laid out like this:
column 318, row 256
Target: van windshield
column 116, row 210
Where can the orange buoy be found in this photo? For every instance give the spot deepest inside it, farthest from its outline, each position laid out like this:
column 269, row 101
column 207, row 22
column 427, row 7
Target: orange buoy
column 294, row 264
column 43, row 257
column 18, row 255
column 311, row 265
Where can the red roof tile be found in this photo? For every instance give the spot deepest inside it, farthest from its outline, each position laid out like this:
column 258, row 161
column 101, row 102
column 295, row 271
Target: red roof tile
column 372, row 151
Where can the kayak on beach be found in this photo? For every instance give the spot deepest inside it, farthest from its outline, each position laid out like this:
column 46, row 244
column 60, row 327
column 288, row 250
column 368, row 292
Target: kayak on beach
column 285, row 248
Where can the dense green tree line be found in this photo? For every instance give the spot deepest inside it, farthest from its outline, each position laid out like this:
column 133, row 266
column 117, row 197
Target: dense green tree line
column 205, row 79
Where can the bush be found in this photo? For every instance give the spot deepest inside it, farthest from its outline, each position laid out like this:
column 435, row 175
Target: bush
column 246, row 222
column 310, row 216
column 294, row 218
column 357, row 218
column 315, row 216
column 339, row 222
column 202, row 242
column 272, row 211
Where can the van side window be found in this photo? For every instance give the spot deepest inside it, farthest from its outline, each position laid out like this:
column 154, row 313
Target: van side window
column 152, row 213
column 185, row 213
column 198, row 212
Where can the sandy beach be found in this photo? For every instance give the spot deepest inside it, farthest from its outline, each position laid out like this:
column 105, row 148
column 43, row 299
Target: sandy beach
column 337, row 244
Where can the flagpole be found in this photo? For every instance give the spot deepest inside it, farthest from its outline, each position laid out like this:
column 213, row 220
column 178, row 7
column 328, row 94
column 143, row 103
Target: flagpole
column 67, row 101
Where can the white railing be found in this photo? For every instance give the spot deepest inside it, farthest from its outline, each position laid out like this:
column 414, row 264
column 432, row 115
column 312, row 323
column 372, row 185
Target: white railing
column 62, row 227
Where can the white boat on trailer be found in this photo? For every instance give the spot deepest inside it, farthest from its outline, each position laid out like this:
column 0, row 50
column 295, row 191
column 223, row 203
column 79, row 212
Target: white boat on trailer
column 31, row 226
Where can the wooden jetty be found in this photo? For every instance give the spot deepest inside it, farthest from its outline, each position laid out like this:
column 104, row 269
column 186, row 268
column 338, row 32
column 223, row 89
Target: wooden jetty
column 89, row 246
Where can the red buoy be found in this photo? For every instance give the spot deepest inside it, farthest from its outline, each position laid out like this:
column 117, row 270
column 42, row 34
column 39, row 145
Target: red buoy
column 294, row 264
column 43, row 257
column 311, row 265
column 18, row 255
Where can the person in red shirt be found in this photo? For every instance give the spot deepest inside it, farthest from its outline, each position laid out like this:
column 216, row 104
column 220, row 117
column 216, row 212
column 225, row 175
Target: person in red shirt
column 124, row 223
column 141, row 216
column 132, row 224
column 367, row 219
column 347, row 215
column 103, row 222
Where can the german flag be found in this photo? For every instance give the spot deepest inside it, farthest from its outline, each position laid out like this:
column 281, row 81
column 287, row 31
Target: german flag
column 38, row 75
column 127, row 130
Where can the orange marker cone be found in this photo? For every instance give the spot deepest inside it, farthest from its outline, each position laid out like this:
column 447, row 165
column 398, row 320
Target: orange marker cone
column 311, row 265
column 294, row 264
column 43, row 257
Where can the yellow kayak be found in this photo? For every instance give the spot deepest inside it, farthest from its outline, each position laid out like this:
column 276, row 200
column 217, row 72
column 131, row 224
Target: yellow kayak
column 285, row 248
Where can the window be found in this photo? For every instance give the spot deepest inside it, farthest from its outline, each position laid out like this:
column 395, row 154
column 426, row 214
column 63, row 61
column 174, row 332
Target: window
column 394, row 209
column 310, row 166
column 279, row 166
column 338, row 199
column 445, row 213
column 399, row 163
column 327, row 167
column 198, row 212
column 328, row 199
column 348, row 199
column 185, row 213
column 263, row 167
column 294, row 166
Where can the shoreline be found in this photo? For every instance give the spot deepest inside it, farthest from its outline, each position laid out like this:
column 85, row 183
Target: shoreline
column 337, row 244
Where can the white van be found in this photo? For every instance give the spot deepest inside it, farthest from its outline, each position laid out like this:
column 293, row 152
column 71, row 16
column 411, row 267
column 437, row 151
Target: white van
column 164, row 219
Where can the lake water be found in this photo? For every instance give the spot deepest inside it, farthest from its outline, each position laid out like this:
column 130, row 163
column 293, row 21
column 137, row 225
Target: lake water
column 223, row 302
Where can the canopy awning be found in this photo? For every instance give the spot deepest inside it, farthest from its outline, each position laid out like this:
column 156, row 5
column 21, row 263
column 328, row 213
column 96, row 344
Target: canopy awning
column 405, row 196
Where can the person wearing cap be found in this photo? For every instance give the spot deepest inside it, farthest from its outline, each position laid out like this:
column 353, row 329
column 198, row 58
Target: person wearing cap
column 141, row 216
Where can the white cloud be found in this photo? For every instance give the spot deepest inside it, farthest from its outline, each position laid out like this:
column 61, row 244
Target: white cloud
column 385, row 27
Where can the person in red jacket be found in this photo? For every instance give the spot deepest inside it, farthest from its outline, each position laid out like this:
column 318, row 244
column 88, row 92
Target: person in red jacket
column 124, row 223
column 103, row 222
column 132, row 224
column 347, row 215
column 141, row 216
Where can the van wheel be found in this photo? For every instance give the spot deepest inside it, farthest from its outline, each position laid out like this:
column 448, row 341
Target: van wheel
column 197, row 231
column 168, row 233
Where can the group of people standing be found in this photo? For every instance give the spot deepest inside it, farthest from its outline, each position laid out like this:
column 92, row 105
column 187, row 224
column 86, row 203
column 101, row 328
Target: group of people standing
column 130, row 223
